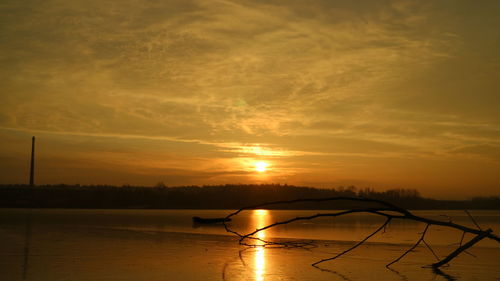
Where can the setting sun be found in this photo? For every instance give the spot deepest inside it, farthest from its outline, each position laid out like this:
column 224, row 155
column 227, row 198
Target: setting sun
column 261, row 166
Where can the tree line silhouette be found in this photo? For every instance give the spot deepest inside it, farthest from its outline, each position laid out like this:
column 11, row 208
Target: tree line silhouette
column 231, row 196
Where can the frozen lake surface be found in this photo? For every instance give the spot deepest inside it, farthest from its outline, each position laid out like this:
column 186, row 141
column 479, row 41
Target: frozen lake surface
column 69, row 244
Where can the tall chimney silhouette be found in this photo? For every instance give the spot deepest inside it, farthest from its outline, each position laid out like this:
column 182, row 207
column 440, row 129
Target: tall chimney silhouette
column 32, row 170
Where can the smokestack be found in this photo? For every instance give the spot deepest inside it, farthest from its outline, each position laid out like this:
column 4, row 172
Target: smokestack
column 32, row 170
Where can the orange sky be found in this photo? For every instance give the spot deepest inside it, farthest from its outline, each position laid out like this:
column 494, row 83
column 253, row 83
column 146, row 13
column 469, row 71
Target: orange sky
column 385, row 94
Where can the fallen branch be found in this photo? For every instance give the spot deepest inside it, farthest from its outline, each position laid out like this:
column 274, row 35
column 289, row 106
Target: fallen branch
column 384, row 209
column 462, row 248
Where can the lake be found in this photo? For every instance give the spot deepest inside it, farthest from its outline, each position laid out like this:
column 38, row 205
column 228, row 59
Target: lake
column 74, row 244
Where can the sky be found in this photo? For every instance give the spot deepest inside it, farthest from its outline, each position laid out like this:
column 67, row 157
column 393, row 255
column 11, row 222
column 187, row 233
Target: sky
column 324, row 93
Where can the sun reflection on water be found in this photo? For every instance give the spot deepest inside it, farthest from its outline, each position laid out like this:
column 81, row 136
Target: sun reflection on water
column 261, row 219
column 260, row 264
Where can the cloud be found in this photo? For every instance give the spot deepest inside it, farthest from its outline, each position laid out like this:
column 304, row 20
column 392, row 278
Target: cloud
column 302, row 83
column 232, row 66
column 482, row 150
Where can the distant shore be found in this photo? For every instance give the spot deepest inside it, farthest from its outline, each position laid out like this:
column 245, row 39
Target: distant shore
column 216, row 197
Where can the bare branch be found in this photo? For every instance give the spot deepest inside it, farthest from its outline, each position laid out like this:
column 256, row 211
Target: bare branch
column 355, row 246
column 462, row 238
column 430, row 249
column 470, row 254
column 462, row 248
column 403, row 277
column 472, row 219
column 334, row 272
column 385, row 209
column 374, row 211
column 412, row 247
column 446, row 276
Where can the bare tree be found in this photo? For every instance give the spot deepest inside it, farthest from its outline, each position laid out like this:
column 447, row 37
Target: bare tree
column 376, row 207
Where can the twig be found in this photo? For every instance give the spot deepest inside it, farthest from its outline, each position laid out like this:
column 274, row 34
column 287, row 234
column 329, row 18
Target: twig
column 462, row 239
column 355, row 246
column 334, row 272
column 470, row 254
column 403, row 277
column 412, row 247
column 473, row 220
column 430, row 249
column 460, row 244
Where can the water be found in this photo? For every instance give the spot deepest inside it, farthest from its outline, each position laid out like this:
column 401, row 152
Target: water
column 68, row 244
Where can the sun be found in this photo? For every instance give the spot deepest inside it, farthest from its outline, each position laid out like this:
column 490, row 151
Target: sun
column 261, row 166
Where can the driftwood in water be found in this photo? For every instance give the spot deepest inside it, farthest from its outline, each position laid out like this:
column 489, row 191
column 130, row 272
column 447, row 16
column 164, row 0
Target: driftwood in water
column 381, row 208
column 199, row 220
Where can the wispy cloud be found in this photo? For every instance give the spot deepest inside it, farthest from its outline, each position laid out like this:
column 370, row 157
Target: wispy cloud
column 316, row 83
